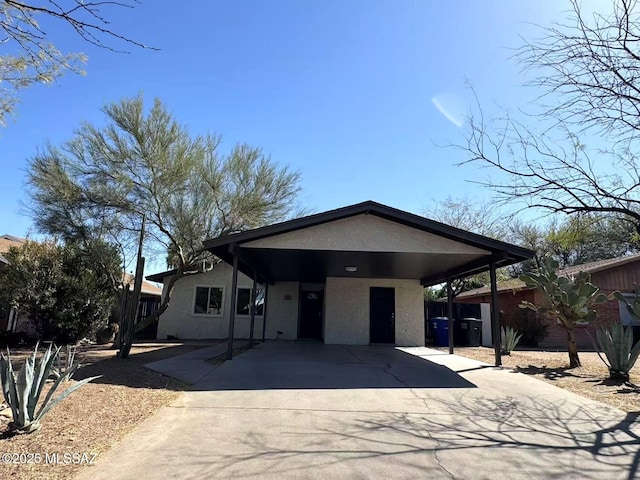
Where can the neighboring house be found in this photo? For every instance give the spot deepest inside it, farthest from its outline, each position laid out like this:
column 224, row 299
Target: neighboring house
column 354, row 275
column 7, row 315
column 622, row 274
column 150, row 295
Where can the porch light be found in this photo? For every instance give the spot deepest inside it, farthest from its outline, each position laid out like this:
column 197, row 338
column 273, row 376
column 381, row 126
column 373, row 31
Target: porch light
column 351, row 269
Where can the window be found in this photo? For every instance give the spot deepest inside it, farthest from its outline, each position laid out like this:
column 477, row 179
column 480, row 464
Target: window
column 625, row 317
column 208, row 301
column 243, row 302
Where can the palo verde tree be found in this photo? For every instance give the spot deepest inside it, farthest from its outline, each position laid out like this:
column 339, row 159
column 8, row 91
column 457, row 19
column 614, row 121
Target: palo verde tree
column 585, row 71
column 104, row 180
column 569, row 301
column 28, row 55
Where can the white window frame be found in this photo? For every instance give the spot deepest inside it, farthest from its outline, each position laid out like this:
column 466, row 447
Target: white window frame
column 193, row 303
column 245, row 315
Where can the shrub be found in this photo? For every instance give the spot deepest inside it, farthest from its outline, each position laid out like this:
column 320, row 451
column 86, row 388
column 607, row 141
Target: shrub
column 22, row 392
column 107, row 334
column 62, row 289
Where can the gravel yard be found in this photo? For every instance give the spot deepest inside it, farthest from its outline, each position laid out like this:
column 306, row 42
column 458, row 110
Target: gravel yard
column 96, row 416
column 590, row 380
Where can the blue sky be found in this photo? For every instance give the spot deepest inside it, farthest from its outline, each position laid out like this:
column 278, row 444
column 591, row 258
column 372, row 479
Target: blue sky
column 341, row 90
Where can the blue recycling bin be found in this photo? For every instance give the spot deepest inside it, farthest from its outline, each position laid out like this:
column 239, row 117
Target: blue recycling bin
column 439, row 331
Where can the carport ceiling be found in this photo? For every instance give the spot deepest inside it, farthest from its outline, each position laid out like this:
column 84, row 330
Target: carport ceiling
column 315, row 265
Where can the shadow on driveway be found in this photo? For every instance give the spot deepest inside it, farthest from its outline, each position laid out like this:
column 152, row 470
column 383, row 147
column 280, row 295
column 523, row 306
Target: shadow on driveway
column 310, row 365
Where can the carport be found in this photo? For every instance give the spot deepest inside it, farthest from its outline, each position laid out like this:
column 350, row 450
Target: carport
column 357, row 255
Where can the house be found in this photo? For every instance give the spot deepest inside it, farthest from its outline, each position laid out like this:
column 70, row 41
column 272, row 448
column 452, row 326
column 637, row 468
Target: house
column 6, row 242
column 622, row 274
column 150, row 295
column 354, row 275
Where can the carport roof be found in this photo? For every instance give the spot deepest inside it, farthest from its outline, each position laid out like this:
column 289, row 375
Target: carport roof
column 314, row 265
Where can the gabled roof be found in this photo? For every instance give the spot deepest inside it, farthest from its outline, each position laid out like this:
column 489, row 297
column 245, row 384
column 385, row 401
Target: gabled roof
column 147, row 287
column 8, row 241
column 374, row 208
column 515, row 284
column 398, row 264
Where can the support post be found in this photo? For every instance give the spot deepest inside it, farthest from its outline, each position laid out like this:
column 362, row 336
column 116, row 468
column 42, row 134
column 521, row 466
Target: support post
column 252, row 306
column 495, row 314
column 450, row 314
column 264, row 310
column 232, row 313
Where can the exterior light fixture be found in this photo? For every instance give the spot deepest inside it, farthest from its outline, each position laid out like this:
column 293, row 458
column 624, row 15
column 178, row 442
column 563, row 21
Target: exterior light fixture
column 351, row 269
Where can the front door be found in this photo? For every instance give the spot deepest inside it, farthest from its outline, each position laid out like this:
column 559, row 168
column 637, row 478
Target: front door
column 382, row 313
column 311, row 303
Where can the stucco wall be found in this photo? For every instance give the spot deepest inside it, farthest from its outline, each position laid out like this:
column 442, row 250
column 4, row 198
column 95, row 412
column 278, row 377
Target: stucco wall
column 282, row 310
column 347, row 310
column 367, row 233
column 179, row 321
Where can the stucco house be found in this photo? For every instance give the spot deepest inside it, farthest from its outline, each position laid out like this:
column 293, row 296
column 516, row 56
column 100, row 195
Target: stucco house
column 354, row 275
column 622, row 274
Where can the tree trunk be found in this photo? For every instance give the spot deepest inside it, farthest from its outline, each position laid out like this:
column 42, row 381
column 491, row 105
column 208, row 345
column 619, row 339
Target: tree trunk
column 574, row 360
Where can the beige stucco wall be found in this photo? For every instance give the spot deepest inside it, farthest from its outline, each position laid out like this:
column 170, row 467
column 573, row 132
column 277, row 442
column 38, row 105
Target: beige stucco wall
column 282, row 310
column 178, row 320
column 368, row 233
column 347, row 310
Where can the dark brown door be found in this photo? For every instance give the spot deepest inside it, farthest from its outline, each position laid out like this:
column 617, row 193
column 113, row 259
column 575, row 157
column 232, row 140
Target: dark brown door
column 311, row 303
column 382, row 313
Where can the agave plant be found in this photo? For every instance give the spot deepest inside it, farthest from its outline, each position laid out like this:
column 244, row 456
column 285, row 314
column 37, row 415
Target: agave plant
column 509, row 339
column 616, row 342
column 62, row 364
column 22, row 391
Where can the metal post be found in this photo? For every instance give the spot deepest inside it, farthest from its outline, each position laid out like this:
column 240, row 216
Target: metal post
column 495, row 314
column 232, row 314
column 252, row 306
column 264, row 311
column 450, row 314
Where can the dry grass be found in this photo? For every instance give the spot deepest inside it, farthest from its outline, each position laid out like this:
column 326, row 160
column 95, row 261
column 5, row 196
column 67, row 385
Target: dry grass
column 98, row 415
column 590, row 380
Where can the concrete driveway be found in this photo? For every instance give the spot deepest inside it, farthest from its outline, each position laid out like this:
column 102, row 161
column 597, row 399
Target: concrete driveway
column 307, row 410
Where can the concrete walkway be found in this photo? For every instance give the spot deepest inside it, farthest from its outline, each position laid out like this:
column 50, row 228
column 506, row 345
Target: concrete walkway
column 193, row 366
column 305, row 410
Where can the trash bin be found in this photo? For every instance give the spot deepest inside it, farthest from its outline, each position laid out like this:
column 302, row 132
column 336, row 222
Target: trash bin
column 466, row 332
column 439, row 327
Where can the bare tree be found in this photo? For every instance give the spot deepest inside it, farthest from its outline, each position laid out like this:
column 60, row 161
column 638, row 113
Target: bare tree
column 589, row 67
column 33, row 57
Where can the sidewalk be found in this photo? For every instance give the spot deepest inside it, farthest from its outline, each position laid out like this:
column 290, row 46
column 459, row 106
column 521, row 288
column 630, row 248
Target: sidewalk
column 192, row 367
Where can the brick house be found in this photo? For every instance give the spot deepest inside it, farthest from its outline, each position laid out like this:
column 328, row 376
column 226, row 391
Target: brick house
column 622, row 274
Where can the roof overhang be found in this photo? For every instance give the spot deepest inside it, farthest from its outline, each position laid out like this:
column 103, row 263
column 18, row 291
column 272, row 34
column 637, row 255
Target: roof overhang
column 306, row 264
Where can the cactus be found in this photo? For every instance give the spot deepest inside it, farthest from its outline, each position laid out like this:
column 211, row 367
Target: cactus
column 569, row 301
column 616, row 342
column 509, row 340
column 22, row 392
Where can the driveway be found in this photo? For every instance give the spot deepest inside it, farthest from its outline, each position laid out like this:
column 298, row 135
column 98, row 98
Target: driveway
column 306, row 410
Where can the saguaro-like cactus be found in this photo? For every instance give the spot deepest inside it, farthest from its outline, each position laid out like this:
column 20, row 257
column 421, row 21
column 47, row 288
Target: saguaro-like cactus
column 569, row 301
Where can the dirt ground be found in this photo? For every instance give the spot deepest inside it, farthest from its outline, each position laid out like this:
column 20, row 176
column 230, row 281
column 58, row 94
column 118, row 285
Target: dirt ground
column 590, row 380
column 93, row 418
